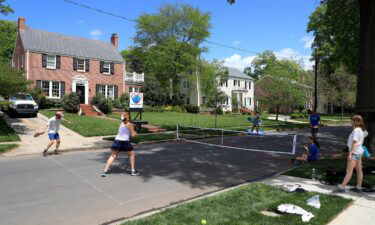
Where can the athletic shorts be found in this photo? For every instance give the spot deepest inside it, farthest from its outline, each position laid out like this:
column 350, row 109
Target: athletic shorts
column 54, row 136
column 122, row 146
column 357, row 156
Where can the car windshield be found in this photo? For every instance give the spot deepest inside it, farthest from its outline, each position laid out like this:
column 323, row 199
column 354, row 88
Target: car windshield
column 21, row 97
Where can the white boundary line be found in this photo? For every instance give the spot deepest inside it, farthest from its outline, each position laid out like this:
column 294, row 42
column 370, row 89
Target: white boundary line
column 87, row 182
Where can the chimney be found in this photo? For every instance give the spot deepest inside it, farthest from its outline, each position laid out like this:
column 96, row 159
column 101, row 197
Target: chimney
column 114, row 40
column 21, row 23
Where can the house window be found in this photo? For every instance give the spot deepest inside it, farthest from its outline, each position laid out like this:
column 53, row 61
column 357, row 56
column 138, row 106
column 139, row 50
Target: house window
column 185, row 84
column 52, row 89
column 134, row 89
column 234, row 82
column 239, row 83
column 249, row 85
column 250, row 101
column 107, row 90
column 51, row 61
column 204, row 100
column 101, row 89
column 245, row 84
column 226, row 83
column 80, row 64
column 106, row 68
column 188, row 101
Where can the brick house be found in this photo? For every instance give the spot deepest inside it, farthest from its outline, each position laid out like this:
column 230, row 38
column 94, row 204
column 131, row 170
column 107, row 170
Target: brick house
column 61, row 64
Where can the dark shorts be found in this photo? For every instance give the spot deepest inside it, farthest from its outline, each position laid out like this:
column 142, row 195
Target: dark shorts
column 314, row 130
column 53, row 136
column 122, row 146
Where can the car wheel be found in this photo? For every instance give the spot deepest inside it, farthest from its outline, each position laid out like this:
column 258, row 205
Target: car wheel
column 35, row 115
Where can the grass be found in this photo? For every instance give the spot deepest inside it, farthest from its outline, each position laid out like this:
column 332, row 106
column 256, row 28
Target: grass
column 169, row 120
column 7, row 134
column 86, row 125
column 6, row 147
column 243, row 206
column 321, row 165
column 331, row 119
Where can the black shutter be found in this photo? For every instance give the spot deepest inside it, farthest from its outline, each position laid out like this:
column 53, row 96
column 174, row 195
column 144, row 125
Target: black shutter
column 245, row 84
column 112, row 68
column 97, row 88
column 58, row 62
column 75, row 63
column 44, row 60
column 87, row 65
column 39, row 84
column 101, row 66
column 62, row 91
column 116, row 92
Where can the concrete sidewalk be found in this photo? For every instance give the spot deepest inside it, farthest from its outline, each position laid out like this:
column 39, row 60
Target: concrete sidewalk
column 362, row 210
column 70, row 140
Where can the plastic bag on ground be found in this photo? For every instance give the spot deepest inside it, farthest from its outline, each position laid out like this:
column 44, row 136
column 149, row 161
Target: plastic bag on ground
column 314, row 201
column 293, row 209
column 290, row 187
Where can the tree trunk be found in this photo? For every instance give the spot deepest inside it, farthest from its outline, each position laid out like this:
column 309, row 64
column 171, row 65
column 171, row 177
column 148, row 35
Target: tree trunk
column 342, row 112
column 277, row 112
column 331, row 107
column 365, row 102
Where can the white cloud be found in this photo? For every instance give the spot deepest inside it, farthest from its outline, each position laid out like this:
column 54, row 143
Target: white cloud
column 239, row 62
column 236, row 61
column 96, row 32
column 237, row 43
column 307, row 41
column 80, row 21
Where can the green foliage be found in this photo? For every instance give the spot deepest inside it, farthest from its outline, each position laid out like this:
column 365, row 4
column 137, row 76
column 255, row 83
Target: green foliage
column 11, row 80
column 153, row 109
column 153, row 92
column 299, row 116
column 262, row 63
column 192, row 109
column 70, row 103
column 104, row 104
column 170, row 108
column 5, row 9
column 134, row 58
column 122, row 102
column 8, row 33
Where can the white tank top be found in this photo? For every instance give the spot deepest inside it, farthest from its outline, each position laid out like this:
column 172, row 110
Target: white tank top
column 123, row 133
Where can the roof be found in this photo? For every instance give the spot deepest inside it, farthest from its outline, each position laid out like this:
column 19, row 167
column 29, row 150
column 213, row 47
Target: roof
column 48, row 42
column 238, row 74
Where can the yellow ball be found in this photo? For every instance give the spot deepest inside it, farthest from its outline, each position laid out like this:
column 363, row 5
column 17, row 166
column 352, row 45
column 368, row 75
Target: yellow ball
column 204, row 222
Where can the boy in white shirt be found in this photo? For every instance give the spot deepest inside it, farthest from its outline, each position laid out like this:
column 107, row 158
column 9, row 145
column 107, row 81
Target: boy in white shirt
column 53, row 126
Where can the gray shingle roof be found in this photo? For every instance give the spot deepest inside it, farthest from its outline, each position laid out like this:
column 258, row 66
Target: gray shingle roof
column 238, row 74
column 48, row 42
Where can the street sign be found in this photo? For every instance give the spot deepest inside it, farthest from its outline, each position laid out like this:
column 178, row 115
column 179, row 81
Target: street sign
column 136, row 100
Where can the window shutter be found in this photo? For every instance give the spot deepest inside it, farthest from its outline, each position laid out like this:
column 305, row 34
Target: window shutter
column 39, row 84
column 116, row 92
column 75, row 63
column 87, row 65
column 112, row 68
column 97, row 88
column 101, row 66
column 58, row 62
column 44, row 60
column 62, row 91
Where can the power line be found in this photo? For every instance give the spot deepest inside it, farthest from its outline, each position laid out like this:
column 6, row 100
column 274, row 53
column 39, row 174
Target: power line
column 135, row 21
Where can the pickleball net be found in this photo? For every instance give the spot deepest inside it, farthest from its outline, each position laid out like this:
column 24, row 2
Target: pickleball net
column 269, row 142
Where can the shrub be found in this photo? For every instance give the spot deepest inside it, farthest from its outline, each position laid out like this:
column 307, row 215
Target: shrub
column 178, row 109
column 192, row 109
column 70, row 103
column 104, row 104
column 219, row 111
column 168, row 108
column 228, row 112
column 124, row 101
column 153, row 109
column 39, row 97
column 299, row 116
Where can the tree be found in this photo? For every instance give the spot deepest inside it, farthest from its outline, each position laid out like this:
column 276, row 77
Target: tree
column 263, row 62
column 8, row 33
column 11, row 80
column 5, row 9
column 171, row 40
column 154, row 94
column 134, row 58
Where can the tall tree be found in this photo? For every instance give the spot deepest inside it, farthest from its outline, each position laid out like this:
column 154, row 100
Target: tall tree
column 8, row 33
column 5, row 9
column 263, row 62
column 134, row 59
column 11, row 80
column 172, row 39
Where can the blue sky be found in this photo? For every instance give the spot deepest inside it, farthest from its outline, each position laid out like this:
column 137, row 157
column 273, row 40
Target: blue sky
column 256, row 25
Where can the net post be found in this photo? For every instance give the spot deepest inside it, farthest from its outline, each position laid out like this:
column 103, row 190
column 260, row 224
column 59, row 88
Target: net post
column 222, row 136
column 177, row 132
column 294, row 144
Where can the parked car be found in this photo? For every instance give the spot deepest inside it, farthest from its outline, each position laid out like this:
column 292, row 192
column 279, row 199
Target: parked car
column 22, row 103
column 245, row 111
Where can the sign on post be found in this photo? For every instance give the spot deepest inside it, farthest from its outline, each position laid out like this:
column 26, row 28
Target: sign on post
column 136, row 100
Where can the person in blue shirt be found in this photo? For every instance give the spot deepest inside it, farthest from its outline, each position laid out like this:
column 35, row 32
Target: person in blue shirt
column 312, row 151
column 314, row 122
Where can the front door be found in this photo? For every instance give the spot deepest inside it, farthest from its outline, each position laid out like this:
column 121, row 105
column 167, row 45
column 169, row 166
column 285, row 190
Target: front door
column 80, row 89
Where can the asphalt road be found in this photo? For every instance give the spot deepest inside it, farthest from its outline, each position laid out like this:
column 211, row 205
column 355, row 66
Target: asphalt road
column 68, row 189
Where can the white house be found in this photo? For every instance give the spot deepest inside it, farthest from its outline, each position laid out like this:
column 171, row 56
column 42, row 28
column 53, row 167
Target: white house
column 238, row 85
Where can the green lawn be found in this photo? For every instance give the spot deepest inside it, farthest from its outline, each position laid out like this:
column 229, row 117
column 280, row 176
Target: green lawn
column 331, row 119
column 320, row 166
column 7, row 134
column 87, row 126
column 6, row 147
column 169, row 120
column 243, row 206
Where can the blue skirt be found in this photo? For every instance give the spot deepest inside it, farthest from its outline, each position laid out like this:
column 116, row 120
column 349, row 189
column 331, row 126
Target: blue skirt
column 122, row 146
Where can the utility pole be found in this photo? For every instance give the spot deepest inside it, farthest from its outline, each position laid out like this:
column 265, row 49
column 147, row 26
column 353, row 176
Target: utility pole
column 215, row 108
column 316, row 85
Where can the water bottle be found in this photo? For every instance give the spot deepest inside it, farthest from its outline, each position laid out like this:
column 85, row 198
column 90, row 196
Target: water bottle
column 313, row 174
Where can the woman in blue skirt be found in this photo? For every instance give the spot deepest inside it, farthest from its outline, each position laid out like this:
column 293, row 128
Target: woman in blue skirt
column 122, row 144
